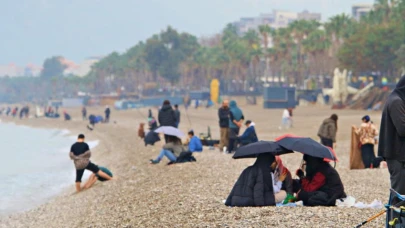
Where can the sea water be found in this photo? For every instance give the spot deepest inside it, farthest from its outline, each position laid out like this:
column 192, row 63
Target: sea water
column 34, row 166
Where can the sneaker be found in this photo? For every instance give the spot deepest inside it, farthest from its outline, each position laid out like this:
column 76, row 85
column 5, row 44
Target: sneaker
column 154, row 161
column 171, row 163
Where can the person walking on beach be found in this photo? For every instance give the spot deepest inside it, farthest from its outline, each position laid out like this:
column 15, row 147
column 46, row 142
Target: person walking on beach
column 80, row 154
column 392, row 137
column 84, row 113
column 327, row 131
column 107, row 114
column 223, row 115
column 177, row 114
column 285, row 120
column 235, row 122
column 167, row 116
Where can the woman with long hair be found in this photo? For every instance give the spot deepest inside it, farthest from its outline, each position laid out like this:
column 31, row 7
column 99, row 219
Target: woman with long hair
column 172, row 149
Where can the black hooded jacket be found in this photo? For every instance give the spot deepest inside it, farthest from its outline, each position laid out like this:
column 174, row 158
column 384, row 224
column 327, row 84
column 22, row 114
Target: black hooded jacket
column 167, row 116
column 254, row 186
column 391, row 144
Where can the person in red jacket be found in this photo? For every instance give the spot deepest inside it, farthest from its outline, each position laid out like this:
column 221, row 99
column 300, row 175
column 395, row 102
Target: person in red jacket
column 320, row 185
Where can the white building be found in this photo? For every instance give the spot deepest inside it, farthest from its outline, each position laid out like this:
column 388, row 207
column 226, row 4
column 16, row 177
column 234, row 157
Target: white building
column 360, row 10
column 276, row 19
column 81, row 69
column 11, row 70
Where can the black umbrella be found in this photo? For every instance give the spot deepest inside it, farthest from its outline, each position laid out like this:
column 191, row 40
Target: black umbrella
column 261, row 147
column 306, row 146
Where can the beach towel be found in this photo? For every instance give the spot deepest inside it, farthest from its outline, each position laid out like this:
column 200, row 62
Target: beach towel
column 356, row 161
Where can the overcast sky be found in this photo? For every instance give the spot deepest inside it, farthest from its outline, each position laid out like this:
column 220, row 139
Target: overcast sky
column 32, row 30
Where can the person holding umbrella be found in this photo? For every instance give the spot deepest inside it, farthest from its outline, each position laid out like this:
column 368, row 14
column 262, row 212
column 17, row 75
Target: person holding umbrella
column 254, row 186
column 172, row 150
column 320, row 185
column 173, row 147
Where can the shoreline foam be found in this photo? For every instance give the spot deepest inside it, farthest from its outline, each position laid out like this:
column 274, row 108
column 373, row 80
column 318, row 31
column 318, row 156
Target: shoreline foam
column 55, row 190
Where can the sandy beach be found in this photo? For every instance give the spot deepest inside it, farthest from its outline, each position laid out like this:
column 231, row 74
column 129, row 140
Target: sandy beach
column 192, row 194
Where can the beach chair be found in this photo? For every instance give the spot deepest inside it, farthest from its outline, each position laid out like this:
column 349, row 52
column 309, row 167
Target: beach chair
column 395, row 213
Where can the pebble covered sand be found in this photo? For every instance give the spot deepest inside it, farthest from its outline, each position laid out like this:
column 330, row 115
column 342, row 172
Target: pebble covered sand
column 192, row 194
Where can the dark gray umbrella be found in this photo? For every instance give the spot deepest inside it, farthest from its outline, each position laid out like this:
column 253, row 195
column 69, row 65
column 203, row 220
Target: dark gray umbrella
column 306, row 146
column 261, row 147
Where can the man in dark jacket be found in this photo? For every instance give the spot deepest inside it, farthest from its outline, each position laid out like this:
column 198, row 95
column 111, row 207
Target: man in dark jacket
column 167, row 116
column 177, row 112
column 392, row 136
column 107, row 113
column 254, row 187
column 223, row 115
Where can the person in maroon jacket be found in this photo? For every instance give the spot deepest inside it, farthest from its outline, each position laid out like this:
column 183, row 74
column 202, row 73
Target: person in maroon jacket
column 321, row 185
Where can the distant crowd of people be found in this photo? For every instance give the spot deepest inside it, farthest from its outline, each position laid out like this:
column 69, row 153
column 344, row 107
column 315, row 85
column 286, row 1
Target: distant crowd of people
column 8, row 111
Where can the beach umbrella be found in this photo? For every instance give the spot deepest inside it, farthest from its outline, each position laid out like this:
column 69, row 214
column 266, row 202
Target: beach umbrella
column 253, row 149
column 307, row 146
column 168, row 130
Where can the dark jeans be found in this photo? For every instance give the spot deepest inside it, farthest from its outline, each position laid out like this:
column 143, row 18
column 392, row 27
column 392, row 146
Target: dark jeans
column 368, row 156
column 327, row 142
column 233, row 135
column 79, row 172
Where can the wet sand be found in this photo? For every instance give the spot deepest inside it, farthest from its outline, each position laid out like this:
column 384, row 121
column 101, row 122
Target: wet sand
column 191, row 194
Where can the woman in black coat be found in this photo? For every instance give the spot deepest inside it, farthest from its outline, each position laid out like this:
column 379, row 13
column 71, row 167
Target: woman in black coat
column 254, row 186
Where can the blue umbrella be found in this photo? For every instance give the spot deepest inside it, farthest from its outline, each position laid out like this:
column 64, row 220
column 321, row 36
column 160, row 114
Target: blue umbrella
column 167, row 130
column 306, row 146
column 253, row 149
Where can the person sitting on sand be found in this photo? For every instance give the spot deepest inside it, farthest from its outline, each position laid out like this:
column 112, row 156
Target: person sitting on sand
column 94, row 177
column 279, row 171
column 80, row 154
column 255, row 187
column 151, row 137
column 172, row 149
column 321, row 186
column 195, row 144
column 249, row 135
column 66, row 116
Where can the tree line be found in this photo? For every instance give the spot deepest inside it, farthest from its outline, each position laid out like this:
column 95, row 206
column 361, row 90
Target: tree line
column 304, row 48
